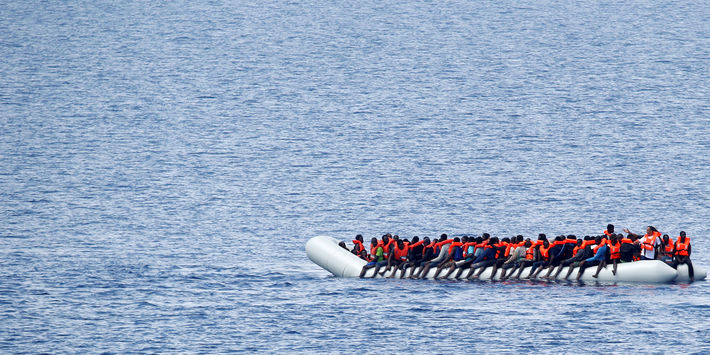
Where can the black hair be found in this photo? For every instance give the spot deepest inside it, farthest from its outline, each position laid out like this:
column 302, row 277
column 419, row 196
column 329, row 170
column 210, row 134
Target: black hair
column 457, row 239
column 610, row 228
column 520, row 238
column 415, row 239
column 506, row 239
column 682, row 233
column 485, row 235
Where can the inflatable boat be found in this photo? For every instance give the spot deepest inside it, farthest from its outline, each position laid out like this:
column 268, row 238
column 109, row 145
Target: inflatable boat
column 326, row 253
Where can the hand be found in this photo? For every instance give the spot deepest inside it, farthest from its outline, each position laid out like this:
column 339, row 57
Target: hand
column 627, row 231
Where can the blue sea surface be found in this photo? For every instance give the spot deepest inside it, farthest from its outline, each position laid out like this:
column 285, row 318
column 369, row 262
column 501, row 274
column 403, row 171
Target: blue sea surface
column 162, row 165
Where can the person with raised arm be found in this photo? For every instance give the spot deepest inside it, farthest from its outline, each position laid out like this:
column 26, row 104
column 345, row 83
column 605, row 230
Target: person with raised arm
column 650, row 242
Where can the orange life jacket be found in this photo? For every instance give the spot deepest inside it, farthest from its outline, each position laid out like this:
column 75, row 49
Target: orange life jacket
column 401, row 254
column 530, row 253
column 454, row 245
column 428, row 246
column 607, row 233
column 545, row 252
column 358, row 246
column 682, row 248
column 669, row 247
column 465, row 248
column 648, row 241
column 508, row 247
column 576, row 249
column 373, row 248
column 615, row 251
column 587, row 243
column 626, row 241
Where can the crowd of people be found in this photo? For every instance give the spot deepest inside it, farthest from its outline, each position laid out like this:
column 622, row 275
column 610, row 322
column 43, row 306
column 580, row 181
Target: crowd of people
column 511, row 255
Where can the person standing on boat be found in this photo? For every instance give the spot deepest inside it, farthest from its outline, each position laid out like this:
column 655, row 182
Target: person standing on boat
column 682, row 254
column 650, row 243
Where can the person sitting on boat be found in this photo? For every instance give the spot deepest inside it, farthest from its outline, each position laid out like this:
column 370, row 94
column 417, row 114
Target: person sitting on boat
column 577, row 256
column 469, row 250
column 398, row 257
column 630, row 249
column 359, row 247
column 650, row 242
column 515, row 258
column 568, row 244
column 502, row 256
column 682, row 254
column 455, row 255
column 614, row 247
column 667, row 249
column 488, row 257
column 532, row 255
column 414, row 254
column 600, row 254
column 440, row 258
column 376, row 257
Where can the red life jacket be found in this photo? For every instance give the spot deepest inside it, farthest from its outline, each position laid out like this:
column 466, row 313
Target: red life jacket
column 682, row 248
column 615, row 251
column 648, row 241
column 545, row 252
column 607, row 233
column 626, row 241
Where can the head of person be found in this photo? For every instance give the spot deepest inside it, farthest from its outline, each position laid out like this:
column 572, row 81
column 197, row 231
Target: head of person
column 613, row 238
column 395, row 237
column 528, row 243
column 415, row 239
column 359, row 237
column 632, row 237
column 598, row 239
column 493, row 240
column 385, row 239
column 559, row 238
column 520, row 238
column 342, row 245
column 485, row 236
column 457, row 240
column 426, row 241
column 541, row 236
column 571, row 237
column 682, row 236
column 506, row 240
column 579, row 242
column 546, row 243
column 610, row 228
column 373, row 241
column 443, row 237
column 666, row 238
column 650, row 230
column 464, row 239
column 479, row 240
column 400, row 244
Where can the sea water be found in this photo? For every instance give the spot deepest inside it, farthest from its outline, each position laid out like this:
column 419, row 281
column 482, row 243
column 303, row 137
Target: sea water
column 162, row 165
